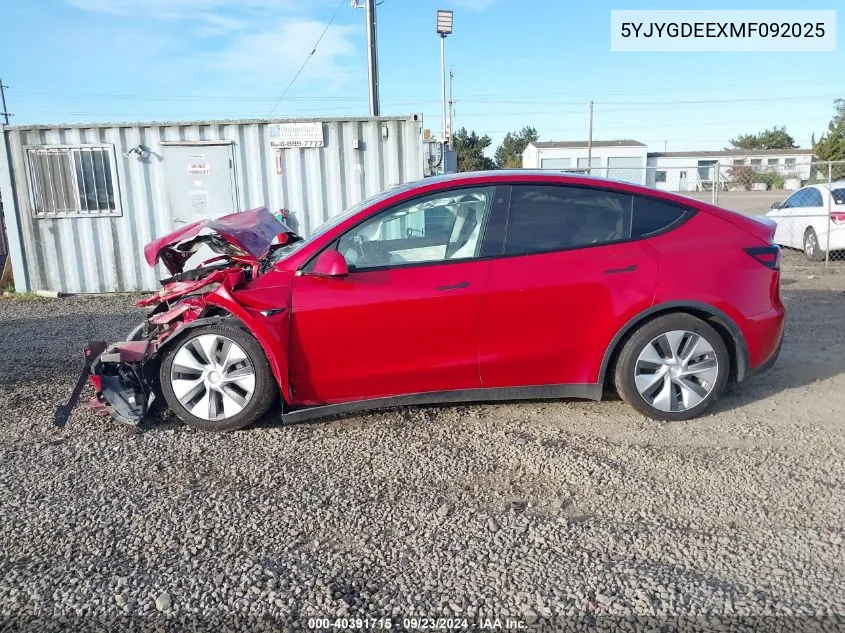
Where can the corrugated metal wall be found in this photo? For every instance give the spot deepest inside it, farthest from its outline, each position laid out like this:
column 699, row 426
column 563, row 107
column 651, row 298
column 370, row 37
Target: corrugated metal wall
column 104, row 254
column 4, row 244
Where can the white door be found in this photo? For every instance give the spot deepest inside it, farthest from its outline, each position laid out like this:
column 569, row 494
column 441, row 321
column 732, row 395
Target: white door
column 199, row 184
column 807, row 211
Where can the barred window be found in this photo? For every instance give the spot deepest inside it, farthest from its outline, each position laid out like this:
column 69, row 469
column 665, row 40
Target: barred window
column 72, row 181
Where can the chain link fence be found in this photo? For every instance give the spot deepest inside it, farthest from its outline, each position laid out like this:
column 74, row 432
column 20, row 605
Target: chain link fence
column 805, row 198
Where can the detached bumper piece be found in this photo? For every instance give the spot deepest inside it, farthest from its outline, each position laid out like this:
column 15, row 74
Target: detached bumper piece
column 118, row 375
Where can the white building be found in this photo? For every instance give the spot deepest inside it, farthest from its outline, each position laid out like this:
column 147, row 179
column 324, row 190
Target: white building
column 693, row 171
column 620, row 160
column 630, row 161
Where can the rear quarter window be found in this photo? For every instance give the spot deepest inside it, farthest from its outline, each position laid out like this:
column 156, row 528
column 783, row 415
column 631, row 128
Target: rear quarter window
column 651, row 216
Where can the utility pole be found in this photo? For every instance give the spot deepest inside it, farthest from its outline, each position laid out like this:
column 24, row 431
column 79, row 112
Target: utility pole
column 451, row 111
column 5, row 113
column 372, row 57
column 590, row 142
column 665, row 145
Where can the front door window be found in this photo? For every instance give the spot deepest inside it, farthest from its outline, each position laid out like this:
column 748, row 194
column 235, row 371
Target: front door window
column 440, row 227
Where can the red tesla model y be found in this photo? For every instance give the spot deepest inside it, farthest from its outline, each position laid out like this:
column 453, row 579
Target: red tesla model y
column 481, row 286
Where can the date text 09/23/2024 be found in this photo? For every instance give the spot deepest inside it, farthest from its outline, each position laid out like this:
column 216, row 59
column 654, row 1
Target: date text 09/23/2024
column 415, row 624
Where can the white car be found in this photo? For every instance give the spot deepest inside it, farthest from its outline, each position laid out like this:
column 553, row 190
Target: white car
column 812, row 219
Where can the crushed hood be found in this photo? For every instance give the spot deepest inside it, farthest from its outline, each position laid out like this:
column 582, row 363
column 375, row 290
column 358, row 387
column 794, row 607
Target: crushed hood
column 247, row 234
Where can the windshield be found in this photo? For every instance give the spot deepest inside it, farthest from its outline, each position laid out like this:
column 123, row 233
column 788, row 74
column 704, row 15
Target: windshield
column 289, row 249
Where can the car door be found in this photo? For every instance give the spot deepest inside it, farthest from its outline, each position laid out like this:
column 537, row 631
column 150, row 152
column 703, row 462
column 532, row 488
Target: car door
column 799, row 210
column 570, row 277
column 783, row 217
column 813, row 213
column 405, row 319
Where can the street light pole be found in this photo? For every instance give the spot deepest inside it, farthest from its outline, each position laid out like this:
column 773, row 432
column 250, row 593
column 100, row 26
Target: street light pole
column 444, row 28
column 443, row 81
column 590, row 143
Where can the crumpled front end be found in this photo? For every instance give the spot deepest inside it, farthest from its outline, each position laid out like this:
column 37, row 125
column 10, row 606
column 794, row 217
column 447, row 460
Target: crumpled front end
column 124, row 374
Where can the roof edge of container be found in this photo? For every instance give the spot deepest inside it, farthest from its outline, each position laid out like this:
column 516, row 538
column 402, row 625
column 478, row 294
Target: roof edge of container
column 414, row 116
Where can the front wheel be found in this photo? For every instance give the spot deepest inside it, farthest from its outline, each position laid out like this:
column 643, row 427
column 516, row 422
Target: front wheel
column 812, row 249
column 216, row 378
column 672, row 368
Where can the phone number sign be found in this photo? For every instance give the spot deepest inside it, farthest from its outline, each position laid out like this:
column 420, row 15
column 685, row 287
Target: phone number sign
column 296, row 135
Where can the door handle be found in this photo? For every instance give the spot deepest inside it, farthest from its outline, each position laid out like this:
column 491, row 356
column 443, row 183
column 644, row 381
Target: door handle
column 463, row 284
column 628, row 269
column 179, row 221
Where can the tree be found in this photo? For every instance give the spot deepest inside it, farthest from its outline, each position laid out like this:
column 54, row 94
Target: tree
column 509, row 153
column 831, row 145
column 470, row 148
column 774, row 138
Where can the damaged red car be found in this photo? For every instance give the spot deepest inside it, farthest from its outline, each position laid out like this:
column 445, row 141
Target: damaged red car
column 485, row 286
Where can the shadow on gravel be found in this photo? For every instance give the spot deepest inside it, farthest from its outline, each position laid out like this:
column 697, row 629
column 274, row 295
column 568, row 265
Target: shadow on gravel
column 813, row 348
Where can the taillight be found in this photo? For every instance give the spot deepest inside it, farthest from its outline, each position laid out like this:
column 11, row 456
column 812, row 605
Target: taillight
column 837, row 217
column 769, row 256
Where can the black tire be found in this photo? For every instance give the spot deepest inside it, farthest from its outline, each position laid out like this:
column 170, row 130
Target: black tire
column 812, row 249
column 265, row 393
column 624, row 374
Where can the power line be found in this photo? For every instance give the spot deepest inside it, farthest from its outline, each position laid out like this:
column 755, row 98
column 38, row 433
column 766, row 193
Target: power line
column 309, row 56
column 479, row 97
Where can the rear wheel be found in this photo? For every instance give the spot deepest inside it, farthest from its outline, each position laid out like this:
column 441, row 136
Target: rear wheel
column 216, row 378
column 812, row 249
column 672, row 368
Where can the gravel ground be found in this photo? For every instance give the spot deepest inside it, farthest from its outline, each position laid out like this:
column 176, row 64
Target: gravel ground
column 556, row 515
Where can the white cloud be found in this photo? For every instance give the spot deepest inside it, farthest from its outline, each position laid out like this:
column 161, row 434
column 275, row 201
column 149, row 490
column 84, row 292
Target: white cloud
column 270, row 58
column 472, row 5
column 172, row 9
column 213, row 16
column 224, row 23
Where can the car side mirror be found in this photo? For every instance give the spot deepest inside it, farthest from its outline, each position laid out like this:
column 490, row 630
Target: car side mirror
column 330, row 263
column 776, row 205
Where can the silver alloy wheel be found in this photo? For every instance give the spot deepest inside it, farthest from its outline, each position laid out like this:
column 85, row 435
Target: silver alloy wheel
column 811, row 244
column 212, row 377
column 676, row 371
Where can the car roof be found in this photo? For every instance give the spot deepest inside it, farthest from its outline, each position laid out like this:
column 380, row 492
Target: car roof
column 551, row 176
column 515, row 175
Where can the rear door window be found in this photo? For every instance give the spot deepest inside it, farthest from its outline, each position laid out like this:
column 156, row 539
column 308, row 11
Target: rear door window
column 555, row 217
column 558, row 217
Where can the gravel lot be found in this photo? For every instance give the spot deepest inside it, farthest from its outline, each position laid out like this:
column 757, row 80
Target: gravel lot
column 557, row 514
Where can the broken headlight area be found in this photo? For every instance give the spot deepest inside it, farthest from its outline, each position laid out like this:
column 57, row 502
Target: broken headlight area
column 122, row 380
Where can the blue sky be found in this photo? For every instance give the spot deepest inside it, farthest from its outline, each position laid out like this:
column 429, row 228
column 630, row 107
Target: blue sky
column 516, row 63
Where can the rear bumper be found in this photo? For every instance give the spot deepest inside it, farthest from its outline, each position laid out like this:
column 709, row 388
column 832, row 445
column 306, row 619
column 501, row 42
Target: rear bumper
column 764, row 335
column 836, row 239
column 767, row 364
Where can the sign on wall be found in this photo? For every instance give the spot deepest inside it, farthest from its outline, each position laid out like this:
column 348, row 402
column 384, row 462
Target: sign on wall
column 296, row 135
